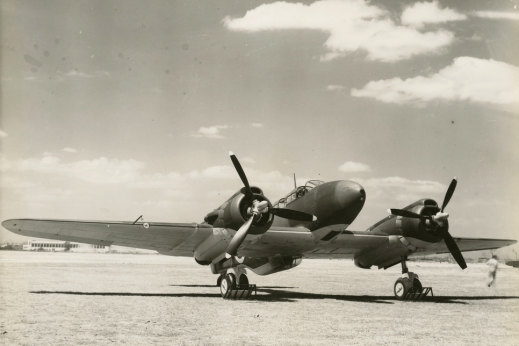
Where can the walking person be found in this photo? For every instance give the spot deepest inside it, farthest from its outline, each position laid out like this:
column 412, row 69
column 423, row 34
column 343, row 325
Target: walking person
column 492, row 270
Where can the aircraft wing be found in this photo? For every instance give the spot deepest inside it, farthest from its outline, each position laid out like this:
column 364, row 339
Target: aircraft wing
column 464, row 244
column 366, row 247
column 182, row 238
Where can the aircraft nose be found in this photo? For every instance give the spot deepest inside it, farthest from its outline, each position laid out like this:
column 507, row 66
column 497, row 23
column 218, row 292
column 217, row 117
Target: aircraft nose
column 349, row 199
column 348, row 193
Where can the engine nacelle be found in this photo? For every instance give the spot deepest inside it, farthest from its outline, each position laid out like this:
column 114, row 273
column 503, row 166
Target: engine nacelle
column 410, row 227
column 398, row 246
column 235, row 211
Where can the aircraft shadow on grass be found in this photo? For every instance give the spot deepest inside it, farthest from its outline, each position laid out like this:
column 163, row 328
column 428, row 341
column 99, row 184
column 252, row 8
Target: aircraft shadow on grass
column 274, row 294
column 129, row 294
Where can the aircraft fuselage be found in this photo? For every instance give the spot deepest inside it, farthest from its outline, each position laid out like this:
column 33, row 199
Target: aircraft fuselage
column 332, row 203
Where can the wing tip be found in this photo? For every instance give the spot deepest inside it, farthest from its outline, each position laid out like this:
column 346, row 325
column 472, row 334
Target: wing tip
column 10, row 224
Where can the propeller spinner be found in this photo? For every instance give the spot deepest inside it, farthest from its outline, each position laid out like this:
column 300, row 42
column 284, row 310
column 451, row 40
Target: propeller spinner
column 438, row 219
column 256, row 209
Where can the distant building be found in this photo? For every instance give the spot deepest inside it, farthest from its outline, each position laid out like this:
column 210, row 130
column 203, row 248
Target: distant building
column 54, row 245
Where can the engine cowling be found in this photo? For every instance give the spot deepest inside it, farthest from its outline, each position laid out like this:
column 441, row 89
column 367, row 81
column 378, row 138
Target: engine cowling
column 235, row 211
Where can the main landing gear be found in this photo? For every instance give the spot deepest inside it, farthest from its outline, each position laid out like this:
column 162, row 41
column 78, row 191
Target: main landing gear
column 409, row 286
column 234, row 284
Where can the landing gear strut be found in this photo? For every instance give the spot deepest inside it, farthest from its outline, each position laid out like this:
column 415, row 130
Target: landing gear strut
column 407, row 284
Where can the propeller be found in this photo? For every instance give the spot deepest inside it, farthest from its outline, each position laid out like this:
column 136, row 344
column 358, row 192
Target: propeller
column 256, row 209
column 454, row 249
column 241, row 173
column 449, row 193
column 292, row 214
column 439, row 218
column 238, row 238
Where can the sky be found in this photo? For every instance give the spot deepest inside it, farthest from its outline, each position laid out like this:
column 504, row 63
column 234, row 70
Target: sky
column 113, row 109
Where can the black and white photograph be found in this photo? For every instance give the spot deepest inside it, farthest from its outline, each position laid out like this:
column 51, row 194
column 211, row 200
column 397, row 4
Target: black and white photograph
column 251, row 172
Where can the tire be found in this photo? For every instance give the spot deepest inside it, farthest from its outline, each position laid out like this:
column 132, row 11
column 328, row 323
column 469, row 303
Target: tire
column 417, row 286
column 219, row 280
column 401, row 288
column 225, row 287
column 243, row 282
column 232, row 278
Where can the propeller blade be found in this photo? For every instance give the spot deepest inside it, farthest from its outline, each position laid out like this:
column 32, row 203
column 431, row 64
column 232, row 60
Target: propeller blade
column 449, row 193
column 241, row 173
column 454, row 249
column 406, row 213
column 238, row 238
column 292, row 214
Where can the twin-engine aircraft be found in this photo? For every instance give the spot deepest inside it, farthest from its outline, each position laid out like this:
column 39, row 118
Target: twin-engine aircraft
column 249, row 232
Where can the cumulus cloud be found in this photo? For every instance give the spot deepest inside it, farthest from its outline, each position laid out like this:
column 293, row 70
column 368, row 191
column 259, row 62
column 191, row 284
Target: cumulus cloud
column 248, row 159
column 130, row 172
column 209, row 186
column 273, row 183
column 354, row 167
column 12, row 182
column 3, row 134
column 47, row 183
column 335, row 87
column 100, row 170
column 214, row 132
column 69, row 150
column 352, row 25
column 214, row 172
column 466, row 79
column 400, row 189
column 257, row 125
column 80, row 74
column 422, row 13
column 496, row 15
column 5, row 164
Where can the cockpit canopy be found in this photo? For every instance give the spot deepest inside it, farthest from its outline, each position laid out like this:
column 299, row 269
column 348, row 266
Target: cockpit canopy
column 298, row 192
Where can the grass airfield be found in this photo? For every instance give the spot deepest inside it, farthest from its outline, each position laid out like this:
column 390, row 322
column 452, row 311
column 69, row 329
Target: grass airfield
column 86, row 299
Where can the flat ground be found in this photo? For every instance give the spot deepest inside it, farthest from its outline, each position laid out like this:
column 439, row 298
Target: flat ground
column 85, row 299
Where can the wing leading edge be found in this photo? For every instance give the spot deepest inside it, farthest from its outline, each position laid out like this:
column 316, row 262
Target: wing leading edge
column 465, row 244
column 181, row 239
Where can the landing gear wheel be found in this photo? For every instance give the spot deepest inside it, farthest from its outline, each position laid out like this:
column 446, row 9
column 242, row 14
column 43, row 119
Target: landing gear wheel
column 243, row 282
column 225, row 286
column 401, row 288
